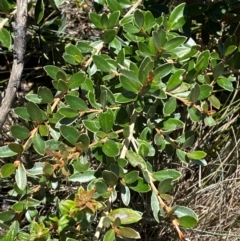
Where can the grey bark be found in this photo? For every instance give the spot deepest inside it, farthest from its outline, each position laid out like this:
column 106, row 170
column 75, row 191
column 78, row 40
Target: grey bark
column 19, row 27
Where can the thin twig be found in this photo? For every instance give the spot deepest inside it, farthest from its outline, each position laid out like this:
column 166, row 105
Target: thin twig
column 134, row 6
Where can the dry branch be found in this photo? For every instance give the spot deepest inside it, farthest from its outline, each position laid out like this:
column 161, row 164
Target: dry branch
column 19, row 27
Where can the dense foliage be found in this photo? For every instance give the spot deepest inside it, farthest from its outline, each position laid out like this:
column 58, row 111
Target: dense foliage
column 98, row 151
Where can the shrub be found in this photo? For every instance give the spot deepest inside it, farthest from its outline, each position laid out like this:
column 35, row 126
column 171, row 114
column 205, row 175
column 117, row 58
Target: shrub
column 104, row 133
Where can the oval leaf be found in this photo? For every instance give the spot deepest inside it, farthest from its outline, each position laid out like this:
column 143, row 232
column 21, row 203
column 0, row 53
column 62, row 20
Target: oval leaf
column 21, row 177
column 166, row 174
column 106, row 120
column 7, row 170
column 20, row 132
column 126, row 215
column 110, row 148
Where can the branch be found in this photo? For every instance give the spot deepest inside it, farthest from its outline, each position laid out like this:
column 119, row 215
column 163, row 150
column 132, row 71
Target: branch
column 126, row 143
column 167, row 209
column 19, row 48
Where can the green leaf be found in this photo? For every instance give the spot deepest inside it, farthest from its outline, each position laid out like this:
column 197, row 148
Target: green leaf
column 218, row 70
column 209, row 121
column 114, row 5
column 22, row 113
column 38, row 144
column 110, row 148
column 141, row 186
column 131, row 177
column 106, row 120
column 39, row 10
column 104, row 20
column 88, row 85
column 149, row 21
column 130, row 75
column 175, row 80
column 69, row 133
column 121, row 57
column 155, row 206
column 7, row 170
column 92, row 126
column 7, row 216
column 188, row 221
column 125, row 195
column 84, row 177
column 95, row 19
column 45, row 94
column 126, row 215
column 5, row 38
column 174, row 42
column 52, row 71
column 5, row 151
column 21, row 177
column 109, row 235
column 205, row 91
column 136, row 160
column 176, row 19
column 68, row 112
column 33, row 98
column 71, row 49
column 182, row 156
column 166, row 174
column 113, row 19
column 186, row 217
column 103, row 98
column 109, row 35
column 144, row 70
column 197, row 155
column 139, row 18
column 128, row 233
column 5, row 7
column 84, row 140
column 214, row 101
column 16, row 147
column 101, row 187
column 144, row 49
column 61, row 75
column 194, row 114
column 20, row 132
column 202, row 62
column 195, row 93
column 19, row 206
column 170, row 106
column 125, row 97
column 43, row 130
column 225, row 83
column 47, row 169
column 92, row 99
column 76, row 80
column 165, row 186
column 34, row 112
column 156, row 40
column 71, row 59
column 101, row 63
column 76, row 103
column 143, row 150
column 162, row 71
column 110, row 178
column 130, row 85
column 172, row 124
column 230, row 49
